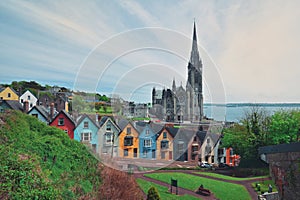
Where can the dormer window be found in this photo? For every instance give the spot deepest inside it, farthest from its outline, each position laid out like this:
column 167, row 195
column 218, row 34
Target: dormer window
column 8, row 95
column 28, row 97
column 147, row 132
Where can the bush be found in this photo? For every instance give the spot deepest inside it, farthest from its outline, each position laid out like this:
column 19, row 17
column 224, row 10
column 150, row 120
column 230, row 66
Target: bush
column 153, row 194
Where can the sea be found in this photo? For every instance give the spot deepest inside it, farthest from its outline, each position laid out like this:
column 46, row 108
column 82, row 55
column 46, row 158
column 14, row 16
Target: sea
column 234, row 112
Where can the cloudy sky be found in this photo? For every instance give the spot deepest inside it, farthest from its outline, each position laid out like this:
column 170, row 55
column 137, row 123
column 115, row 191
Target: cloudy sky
column 250, row 49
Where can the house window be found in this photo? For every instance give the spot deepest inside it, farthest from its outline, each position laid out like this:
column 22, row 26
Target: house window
column 31, row 105
column 147, row 132
column 164, row 144
column 66, row 131
column 195, row 139
column 35, row 115
column 147, row 142
column 86, row 125
column 128, row 141
column 22, row 100
column 125, row 152
column 194, row 148
column 8, row 95
column 61, row 121
column 86, row 136
column 163, row 155
column 165, row 135
column 28, row 97
column 208, row 141
column 108, row 127
column 108, row 138
column 128, row 131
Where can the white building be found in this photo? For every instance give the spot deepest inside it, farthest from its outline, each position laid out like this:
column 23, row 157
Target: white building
column 28, row 96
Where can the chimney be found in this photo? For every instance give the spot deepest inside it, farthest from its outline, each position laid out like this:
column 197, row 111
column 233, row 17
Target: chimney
column 51, row 111
column 25, row 106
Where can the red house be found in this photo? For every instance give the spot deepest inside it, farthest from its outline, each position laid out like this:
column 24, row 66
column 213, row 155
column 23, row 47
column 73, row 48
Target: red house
column 64, row 122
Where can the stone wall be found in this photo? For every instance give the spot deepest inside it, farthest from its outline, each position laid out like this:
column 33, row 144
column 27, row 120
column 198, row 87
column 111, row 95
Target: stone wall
column 285, row 171
column 269, row 196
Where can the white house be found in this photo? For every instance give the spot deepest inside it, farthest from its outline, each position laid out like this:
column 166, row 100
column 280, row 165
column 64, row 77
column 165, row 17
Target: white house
column 28, row 96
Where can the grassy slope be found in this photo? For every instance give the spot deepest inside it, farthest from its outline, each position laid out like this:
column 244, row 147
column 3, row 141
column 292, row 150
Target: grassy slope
column 215, row 175
column 163, row 191
column 57, row 164
column 221, row 190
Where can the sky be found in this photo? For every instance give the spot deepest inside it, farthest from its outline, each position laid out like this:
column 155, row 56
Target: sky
column 249, row 49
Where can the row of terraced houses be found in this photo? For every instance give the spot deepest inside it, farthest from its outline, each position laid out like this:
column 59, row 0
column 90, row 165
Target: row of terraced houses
column 116, row 137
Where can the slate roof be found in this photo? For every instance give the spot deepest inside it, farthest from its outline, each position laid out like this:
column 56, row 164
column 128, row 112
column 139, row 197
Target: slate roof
column 103, row 120
column 82, row 117
column 201, row 135
column 42, row 110
column 14, row 104
column 122, row 123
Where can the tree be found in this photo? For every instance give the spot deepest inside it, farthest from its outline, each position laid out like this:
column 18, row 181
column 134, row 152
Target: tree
column 284, row 127
column 78, row 103
column 153, row 194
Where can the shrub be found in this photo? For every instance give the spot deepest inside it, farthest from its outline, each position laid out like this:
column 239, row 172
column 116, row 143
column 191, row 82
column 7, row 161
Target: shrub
column 153, row 194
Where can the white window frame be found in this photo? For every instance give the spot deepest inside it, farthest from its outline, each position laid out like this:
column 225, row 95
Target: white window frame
column 147, row 143
column 86, row 136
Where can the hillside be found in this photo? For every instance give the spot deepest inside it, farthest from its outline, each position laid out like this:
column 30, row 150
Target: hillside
column 41, row 162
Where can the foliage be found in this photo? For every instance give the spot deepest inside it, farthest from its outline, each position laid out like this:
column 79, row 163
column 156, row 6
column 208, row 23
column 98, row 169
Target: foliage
column 258, row 129
column 21, row 177
column 113, row 185
column 163, row 191
column 65, row 166
column 190, row 182
column 153, row 194
column 263, row 186
column 284, row 127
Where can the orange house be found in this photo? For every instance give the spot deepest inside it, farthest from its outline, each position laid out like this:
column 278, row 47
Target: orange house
column 164, row 145
column 128, row 140
column 232, row 159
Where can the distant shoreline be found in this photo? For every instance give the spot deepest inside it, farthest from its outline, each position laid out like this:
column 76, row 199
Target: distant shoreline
column 253, row 104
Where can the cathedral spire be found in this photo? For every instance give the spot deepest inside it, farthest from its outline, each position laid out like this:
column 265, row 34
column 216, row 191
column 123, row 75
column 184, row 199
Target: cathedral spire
column 195, row 34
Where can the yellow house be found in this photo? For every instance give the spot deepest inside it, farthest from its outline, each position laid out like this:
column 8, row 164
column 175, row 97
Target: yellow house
column 164, row 144
column 128, row 141
column 8, row 94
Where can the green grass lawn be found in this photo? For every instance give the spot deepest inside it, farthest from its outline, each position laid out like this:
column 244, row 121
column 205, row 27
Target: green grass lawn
column 215, row 175
column 264, row 186
column 163, row 191
column 221, row 190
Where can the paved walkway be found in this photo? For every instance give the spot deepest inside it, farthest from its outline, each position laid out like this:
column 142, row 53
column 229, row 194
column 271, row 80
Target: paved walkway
column 182, row 191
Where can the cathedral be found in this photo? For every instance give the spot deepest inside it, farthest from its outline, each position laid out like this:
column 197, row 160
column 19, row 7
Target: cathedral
column 181, row 104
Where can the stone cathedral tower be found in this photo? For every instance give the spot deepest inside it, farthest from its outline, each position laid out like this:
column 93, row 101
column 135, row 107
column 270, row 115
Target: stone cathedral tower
column 179, row 104
column 194, row 83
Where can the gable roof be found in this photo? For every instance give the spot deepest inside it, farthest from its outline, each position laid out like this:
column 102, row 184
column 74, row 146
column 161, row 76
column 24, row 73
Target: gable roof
column 82, row 117
column 42, row 110
column 104, row 119
column 66, row 114
column 13, row 104
column 122, row 123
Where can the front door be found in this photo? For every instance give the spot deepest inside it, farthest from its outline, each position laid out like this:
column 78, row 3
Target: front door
column 135, row 152
column 153, row 153
column 170, row 155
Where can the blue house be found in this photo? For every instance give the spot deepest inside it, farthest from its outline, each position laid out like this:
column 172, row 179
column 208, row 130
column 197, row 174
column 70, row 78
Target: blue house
column 40, row 112
column 86, row 131
column 147, row 141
